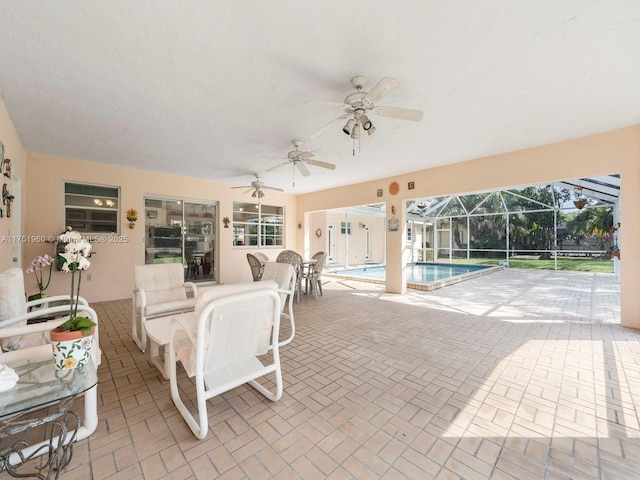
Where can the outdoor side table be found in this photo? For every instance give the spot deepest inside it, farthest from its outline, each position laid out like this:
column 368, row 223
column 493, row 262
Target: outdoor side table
column 42, row 385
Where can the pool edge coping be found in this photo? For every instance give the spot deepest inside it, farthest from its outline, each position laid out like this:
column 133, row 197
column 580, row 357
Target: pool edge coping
column 421, row 286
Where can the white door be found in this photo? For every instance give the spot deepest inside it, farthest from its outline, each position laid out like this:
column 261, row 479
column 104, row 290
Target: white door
column 331, row 239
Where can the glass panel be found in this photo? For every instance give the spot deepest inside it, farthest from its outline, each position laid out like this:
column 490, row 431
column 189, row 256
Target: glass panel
column 182, row 232
column 163, row 224
column 257, row 225
column 199, row 240
column 91, row 208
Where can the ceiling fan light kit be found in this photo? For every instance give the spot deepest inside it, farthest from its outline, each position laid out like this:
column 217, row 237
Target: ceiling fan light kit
column 257, row 186
column 360, row 103
column 349, row 126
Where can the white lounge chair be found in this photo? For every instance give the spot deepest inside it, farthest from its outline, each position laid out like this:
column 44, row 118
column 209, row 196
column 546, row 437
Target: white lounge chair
column 231, row 339
column 15, row 313
column 159, row 291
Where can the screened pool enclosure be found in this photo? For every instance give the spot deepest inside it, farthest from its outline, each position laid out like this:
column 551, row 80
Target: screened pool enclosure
column 574, row 218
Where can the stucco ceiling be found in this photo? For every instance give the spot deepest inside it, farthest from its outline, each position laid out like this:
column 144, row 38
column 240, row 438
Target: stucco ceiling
column 217, row 90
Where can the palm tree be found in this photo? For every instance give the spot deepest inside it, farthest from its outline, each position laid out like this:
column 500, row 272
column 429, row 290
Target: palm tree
column 594, row 222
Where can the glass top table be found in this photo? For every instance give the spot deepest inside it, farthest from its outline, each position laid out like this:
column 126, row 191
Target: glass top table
column 41, row 383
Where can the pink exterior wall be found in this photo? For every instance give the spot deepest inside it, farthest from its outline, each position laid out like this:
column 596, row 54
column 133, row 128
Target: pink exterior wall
column 601, row 154
column 112, row 267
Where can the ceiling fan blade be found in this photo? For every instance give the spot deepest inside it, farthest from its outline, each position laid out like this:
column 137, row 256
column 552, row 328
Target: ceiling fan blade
column 242, row 186
column 400, row 113
column 273, row 188
column 381, row 88
column 304, row 171
column 318, row 163
column 329, row 125
column 305, row 155
column 323, row 103
column 278, row 166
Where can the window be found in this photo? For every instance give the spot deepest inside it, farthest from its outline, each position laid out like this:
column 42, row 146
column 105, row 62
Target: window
column 91, row 208
column 258, row 225
column 345, row 227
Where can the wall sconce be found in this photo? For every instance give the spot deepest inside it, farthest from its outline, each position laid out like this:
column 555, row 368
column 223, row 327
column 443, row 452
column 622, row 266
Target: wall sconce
column 6, row 168
column 132, row 216
column 7, row 198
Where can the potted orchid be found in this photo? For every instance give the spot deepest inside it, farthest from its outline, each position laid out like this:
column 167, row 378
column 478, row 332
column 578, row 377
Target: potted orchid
column 37, row 267
column 72, row 339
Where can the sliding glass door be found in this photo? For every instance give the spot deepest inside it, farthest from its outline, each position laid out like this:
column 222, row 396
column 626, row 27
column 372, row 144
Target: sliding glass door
column 182, row 231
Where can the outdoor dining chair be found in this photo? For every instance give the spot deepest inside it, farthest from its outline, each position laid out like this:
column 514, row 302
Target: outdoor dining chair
column 295, row 259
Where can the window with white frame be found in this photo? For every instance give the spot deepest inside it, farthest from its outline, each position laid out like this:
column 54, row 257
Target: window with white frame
column 258, row 225
column 345, row 228
column 91, row 208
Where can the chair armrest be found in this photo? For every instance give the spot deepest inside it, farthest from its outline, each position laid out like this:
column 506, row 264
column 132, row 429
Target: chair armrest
column 5, row 325
column 56, row 298
column 143, row 297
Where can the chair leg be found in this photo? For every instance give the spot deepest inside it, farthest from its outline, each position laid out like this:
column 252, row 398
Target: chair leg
column 320, row 286
column 140, row 340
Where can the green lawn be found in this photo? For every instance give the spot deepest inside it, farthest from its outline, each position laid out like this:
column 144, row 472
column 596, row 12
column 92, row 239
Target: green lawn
column 564, row 263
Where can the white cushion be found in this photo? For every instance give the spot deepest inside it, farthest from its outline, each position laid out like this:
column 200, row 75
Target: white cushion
column 207, row 295
column 282, row 274
column 12, row 301
column 160, row 282
column 168, row 308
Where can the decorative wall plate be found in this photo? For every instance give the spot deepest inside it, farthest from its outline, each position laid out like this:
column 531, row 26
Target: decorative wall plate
column 394, row 188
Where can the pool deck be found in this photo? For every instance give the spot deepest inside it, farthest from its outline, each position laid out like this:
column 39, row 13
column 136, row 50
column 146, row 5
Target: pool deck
column 416, row 286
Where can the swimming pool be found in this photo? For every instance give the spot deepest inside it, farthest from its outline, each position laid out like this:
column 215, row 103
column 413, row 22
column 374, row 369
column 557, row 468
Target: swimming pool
column 420, row 275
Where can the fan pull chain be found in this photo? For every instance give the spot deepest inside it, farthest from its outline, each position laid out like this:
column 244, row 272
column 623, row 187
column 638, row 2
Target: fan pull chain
column 354, row 146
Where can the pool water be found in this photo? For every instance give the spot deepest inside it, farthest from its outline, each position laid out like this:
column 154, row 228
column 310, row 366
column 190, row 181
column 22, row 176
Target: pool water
column 419, row 273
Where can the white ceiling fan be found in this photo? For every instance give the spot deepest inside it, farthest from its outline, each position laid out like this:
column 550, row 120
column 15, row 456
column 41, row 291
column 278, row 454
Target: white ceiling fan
column 257, row 186
column 360, row 103
column 301, row 159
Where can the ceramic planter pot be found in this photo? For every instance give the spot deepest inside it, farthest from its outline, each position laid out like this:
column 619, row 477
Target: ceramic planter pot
column 71, row 349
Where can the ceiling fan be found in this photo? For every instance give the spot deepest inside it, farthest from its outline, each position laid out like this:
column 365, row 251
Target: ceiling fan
column 301, row 159
column 359, row 103
column 257, row 186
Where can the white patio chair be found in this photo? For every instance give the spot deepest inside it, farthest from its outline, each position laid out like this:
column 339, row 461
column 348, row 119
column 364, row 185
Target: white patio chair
column 313, row 275
column 284, row 275
column 17, row 337
column 231, row 339
column 159, row 291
